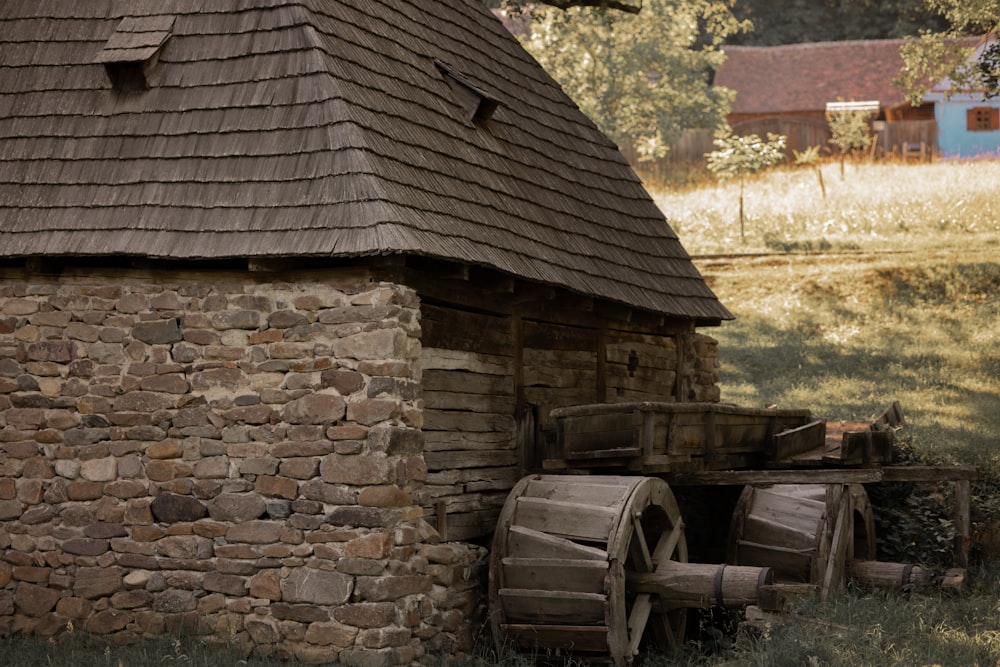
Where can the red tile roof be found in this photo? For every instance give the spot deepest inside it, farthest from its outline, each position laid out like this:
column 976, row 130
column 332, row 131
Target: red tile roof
column 804, row 77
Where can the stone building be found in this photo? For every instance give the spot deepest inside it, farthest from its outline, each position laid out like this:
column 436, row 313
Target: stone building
column 287, row 292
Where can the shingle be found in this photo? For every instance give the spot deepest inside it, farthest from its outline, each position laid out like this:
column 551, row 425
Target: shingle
column 136, row 39
column 312, row 127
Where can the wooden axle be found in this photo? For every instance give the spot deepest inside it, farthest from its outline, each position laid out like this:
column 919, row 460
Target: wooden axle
column 886, row 575
column 699, row 585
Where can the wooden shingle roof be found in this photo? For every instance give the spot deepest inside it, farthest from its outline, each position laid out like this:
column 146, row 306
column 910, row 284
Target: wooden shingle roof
column 312, row 128
column 804, row 77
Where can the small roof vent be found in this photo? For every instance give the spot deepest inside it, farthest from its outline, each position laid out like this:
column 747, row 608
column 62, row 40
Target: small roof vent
column 134, row 48
column 477, row 105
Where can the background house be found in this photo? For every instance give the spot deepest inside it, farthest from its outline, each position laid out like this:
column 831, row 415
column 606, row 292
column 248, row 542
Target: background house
column 786, row 89
column 287, row 293
column 968, row 123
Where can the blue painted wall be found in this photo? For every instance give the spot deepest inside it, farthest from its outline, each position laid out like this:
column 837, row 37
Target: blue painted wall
column 954, row 138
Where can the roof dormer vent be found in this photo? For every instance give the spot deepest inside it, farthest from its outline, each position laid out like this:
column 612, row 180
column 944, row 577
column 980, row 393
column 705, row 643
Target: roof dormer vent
column 477, row 106
column 133, row 50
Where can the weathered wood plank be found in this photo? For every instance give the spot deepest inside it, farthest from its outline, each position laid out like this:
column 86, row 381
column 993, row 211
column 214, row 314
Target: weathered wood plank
column 863, row 447
column 470, row 459
column 607, row 457
column 769, row 531
column 470, row 476
column 469, row 525
column 805, row 476
column 456, row 360
column 469, row 382
column 547, row 336
column 798, row 513
column 528, row 542
column 567, row 519
column 555, row 574
column 791, row 562
column 560, row 359
column 797, row 440
column 584, row 491
column 456, row 329
column 551, row 607
column 599, row 432
column 448, row 400
column 559, row 377
column 443, row 441
column 457, row 420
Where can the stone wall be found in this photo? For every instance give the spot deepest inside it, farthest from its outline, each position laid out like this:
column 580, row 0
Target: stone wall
column 222, row 455
column 704, row 375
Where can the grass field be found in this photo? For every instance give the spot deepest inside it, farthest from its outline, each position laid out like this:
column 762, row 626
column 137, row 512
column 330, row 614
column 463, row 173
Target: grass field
column 886, row 290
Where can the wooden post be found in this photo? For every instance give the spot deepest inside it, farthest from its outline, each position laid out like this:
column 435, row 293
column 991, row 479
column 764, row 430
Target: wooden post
column 601, row 390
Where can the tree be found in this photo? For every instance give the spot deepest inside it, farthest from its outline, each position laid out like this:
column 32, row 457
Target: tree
column 934, row 56
column 797, row 21
column 849, row 131
column 642, row 79
column 740, row 156
column 810, row 158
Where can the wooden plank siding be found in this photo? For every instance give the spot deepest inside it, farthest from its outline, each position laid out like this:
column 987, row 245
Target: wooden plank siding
column 490, row 382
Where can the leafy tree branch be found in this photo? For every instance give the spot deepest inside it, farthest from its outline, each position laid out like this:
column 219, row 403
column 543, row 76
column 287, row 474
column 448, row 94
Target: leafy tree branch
column 935, row 56
column 641, row 79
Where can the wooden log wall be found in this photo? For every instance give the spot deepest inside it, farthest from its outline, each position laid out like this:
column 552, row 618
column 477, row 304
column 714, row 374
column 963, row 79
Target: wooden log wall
column 470, row 430
column 640, row 367
column 490, row 382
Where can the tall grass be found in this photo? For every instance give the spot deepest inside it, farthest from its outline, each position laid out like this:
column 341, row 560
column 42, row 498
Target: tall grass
column 887, row 290
column 876, row 205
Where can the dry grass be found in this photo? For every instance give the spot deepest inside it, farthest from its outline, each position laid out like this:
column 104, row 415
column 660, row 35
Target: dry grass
column 887, row 291
column 876, row 206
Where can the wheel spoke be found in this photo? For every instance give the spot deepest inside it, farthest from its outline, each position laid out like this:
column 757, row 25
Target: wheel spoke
column 637, row 619
column 639, row 547
column 667, row 544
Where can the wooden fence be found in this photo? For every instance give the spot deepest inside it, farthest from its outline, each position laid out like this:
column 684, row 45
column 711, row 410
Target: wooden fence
column 907, row 139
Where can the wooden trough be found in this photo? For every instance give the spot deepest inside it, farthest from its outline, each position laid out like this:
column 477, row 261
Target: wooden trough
column 654, row 437
column 586, row 565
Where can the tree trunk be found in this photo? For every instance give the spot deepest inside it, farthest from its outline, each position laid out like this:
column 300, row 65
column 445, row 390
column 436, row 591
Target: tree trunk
column 743, row 236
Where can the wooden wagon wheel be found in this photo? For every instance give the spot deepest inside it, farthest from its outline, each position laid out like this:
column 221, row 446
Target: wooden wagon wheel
column 806, row 532
column 585, row 565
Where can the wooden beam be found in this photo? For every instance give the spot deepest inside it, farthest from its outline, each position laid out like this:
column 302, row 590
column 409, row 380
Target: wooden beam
column 805, row 476
column 928, row 473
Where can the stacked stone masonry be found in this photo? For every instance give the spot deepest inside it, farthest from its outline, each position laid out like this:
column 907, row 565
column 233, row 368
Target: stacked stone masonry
column 225, row 457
